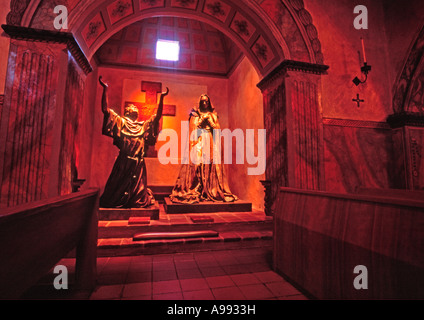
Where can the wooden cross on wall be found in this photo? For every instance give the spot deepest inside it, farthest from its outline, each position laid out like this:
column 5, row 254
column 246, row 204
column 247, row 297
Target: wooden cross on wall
column 149, row 107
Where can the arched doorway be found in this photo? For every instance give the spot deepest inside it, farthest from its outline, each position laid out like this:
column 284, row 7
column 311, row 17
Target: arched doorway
column 209, row 63
column 278, row 38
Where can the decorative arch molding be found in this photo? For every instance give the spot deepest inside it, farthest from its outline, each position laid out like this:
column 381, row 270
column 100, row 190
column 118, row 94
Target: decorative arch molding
column 306, row 26
column 250, row 24
column 240, row 23
column 407, row 121
column 409, row 88
column 17, row 10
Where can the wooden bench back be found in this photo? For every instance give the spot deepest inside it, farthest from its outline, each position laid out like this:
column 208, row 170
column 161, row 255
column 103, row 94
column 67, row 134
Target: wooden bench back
column 320, row 237
column 35, row 236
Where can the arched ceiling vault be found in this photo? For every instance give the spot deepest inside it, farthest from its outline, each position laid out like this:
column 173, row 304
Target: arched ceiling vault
column 268, row 32
column 203, row 49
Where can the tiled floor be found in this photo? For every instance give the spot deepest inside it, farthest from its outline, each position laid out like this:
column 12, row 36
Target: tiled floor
column 243, row 274
column 220, row 275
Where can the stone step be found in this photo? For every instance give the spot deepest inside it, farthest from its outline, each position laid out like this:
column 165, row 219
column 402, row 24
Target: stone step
column 225, row 240
column 127, row 229
column 174, row 235
column 235, row 230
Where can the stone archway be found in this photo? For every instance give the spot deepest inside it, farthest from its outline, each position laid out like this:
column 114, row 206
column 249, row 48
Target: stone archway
column 407, row 121
column 268, row 33
column 277, row 36
column 406, row 98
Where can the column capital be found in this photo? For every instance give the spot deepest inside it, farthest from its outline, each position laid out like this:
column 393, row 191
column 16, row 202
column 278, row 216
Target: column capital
column 291, row 65
column 48, row 36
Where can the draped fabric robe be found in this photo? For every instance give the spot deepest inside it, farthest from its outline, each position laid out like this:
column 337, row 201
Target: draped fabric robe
column 199, row 180
column 127, row 183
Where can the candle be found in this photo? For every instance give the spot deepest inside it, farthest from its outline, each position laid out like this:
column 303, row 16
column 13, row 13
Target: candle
column 363, row 50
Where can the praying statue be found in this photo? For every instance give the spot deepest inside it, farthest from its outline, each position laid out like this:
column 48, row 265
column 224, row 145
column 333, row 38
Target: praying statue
column 126, row 186
column 202, row 178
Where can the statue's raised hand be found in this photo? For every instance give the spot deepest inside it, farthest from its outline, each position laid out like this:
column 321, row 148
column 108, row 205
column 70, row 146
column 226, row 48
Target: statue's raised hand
column 163, row 94
column 102, row 83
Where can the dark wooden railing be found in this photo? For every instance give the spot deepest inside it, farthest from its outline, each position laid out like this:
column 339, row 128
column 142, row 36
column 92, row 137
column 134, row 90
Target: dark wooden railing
column 36, row 236
column 320, row 237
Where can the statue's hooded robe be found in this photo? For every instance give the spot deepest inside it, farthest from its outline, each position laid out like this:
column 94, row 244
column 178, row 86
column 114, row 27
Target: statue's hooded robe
column 127, row 183
column 201, row 181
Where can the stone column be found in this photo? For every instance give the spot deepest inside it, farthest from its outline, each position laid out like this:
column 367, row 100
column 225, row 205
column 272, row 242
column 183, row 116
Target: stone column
column 293, row 120
column 408, row 150
column 40, row 84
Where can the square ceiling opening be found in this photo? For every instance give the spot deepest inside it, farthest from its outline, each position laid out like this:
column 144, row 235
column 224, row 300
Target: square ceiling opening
column 167, row 50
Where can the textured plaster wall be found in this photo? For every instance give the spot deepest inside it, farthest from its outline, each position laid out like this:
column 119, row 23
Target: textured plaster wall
column 341, row 46
column 358, row 158
column 245, row 111
column 355, row 156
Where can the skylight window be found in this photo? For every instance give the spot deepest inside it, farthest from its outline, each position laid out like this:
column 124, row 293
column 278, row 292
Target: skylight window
column 168, row 50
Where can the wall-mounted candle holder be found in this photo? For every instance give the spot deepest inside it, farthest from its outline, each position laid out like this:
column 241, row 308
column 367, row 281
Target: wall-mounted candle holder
column 365, row 69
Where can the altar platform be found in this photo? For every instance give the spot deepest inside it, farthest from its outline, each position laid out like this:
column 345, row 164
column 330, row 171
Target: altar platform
column 207, row 207
column 108, row 214
column 184, row 232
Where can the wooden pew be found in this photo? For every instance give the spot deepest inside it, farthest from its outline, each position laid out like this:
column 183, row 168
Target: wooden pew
column 35, row 236
column 320, row 237
column 392, row 193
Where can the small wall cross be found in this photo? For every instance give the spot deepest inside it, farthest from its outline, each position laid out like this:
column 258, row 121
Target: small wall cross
column 358, row 100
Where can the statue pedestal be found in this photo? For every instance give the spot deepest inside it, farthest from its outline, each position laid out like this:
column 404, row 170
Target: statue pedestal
column 126, row 214
column 207, row 207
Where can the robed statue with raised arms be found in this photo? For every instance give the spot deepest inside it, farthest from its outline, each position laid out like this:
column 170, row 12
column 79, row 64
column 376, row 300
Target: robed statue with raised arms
column 126, row 186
